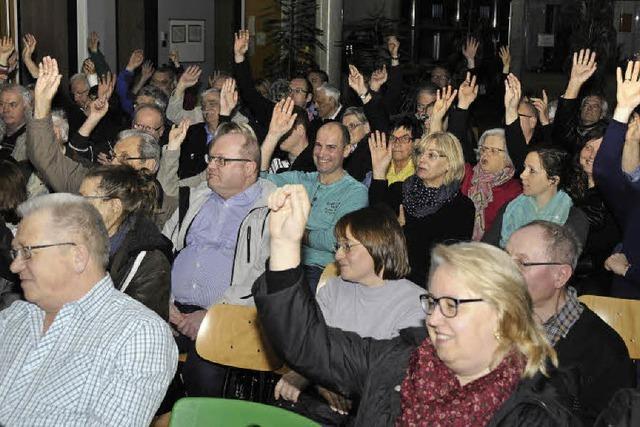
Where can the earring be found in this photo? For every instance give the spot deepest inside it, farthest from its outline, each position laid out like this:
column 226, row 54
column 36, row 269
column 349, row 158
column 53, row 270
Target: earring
column 497, row 336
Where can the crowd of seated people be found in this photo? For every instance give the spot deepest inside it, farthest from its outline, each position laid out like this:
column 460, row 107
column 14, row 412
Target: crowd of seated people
column 132, row 204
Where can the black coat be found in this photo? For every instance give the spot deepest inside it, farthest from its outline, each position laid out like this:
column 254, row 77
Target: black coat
column 600, row 358
column 364, row 368
column 453, row 221
column 151, row 284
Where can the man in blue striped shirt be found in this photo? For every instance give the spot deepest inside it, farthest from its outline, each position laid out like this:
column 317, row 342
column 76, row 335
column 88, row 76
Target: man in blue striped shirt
column 78, row 351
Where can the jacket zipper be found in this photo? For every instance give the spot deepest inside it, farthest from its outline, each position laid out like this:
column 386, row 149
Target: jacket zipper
column 248, row 244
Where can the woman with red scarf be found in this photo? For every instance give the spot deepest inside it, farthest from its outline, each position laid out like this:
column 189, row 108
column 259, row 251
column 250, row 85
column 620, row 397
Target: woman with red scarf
column 481, row 361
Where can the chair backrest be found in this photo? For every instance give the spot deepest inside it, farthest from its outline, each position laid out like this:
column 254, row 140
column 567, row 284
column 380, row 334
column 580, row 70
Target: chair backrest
column 623, row 315
column 330, row 270
column 210, row 412
column 231, row 335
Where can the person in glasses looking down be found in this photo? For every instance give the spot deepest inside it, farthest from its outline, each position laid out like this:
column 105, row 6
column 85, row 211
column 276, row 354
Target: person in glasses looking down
column 333, row 191
column 547, row 254
column 98, row 353
column 139, row 255
column 480, row 360
column 62, row 174
column 220, row 239
column 429, row 204
column 371, row 255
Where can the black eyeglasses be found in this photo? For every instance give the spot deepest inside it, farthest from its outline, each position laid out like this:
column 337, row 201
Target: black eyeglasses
column 222, row 161
column 448, row 305
column 123, row 157
column 297, row 90
column 533, row 264
column 145, row 128
column 25, row 251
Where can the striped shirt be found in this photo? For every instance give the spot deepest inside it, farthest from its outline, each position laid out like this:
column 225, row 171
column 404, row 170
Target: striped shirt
column 105, row 360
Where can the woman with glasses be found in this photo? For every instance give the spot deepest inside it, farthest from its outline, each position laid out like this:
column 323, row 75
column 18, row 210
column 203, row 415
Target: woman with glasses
column 139, row 255
column 482, row 360
column 429, row 203
column 490, row 183
column 542, row 198
column 371, row 255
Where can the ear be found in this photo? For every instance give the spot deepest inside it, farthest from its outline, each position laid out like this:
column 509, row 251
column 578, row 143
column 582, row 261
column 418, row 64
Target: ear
column 562, row 275
column 116, row 206
column 151, row 165
column 346, row 151
column 80, row 258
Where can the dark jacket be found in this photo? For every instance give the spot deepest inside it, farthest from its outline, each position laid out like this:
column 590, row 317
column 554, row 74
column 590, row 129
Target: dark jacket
column 623, row 199
column 601, row 359
column 623, row 410
column 193, row 151
column 453, row 221
column 151, row 284
column 365, row 368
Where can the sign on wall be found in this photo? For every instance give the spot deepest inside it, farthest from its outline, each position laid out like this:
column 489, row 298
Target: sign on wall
column 187, row 37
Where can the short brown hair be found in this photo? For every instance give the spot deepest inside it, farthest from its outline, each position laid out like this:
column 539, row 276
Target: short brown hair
column 377, row 228
column 13, row 190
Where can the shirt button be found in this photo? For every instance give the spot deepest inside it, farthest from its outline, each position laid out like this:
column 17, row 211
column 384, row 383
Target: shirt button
column 194, row 286
column 197, row 265
column 397, row 388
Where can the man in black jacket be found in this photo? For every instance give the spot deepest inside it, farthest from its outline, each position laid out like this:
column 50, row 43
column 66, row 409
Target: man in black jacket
column 547, row 254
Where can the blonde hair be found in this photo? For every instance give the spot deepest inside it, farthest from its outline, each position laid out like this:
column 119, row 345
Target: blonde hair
column 493, row 275
column 448, row 145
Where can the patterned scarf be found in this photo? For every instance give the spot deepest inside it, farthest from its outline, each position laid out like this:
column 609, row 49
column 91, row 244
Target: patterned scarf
column 523, row 209
column 431, row 395
column 481, row 193
column 419, row 200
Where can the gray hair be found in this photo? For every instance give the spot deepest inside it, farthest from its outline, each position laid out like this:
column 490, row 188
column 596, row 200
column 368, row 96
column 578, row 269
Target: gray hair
column 153, row 107
column 249, row 148
column 331, row 91
column 209, row 91
column 149, row 148
column 604, row 105
column 59, row 118
column 160, row 99
column 76, row 216
column 496, row 132
column 27, row 98
column 356, row 111
column 562, row 245
column 77, row 77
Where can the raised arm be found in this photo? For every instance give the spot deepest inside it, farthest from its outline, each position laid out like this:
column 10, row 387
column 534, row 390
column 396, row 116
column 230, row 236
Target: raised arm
column 93, row 43
column 516, row 143
column 29, row 43
column 288, row 312
column 175, row 109
column 459, row 117
column 282, row 121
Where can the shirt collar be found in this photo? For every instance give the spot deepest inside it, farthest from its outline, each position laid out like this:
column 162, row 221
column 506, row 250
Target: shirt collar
column 558, row 325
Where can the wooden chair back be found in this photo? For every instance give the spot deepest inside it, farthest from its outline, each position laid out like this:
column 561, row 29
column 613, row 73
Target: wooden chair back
column 231, row 335
column 623, row 315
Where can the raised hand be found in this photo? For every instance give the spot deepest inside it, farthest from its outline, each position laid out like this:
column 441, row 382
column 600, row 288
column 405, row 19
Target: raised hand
column 378, row 78
column 177, row 134
column 135, row 60
column 283, row 118
column 467, row 92
column 29, row 46
column 93, row 41
column 380, row 154
column 228, row 97
column 583, row 67
column 628, row 91
column 512, row 95
column 469, row 50
column 46, row 87
column 240, row 45
column 88, row 67
column 356, row 81
column 542, row 105
column 190, row 77
column 106, row 84
column 147, row 70
column 98, row 108
column 444, row 99
column 290, row 208
column 393, row 47
column 505, row 57
column 174, row 57
column 6, row 49
column 213, row 78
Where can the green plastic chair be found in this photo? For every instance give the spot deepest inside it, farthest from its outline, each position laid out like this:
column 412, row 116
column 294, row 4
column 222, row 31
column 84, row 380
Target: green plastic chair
column 211, row 412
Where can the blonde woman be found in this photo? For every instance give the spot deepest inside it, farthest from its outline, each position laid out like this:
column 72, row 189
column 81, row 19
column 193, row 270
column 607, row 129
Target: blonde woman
column 430, row 202
column 482, row 360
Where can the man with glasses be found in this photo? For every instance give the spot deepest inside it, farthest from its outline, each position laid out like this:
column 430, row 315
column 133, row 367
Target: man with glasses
column 220, row 235
column 77, row 351
column 547, row 254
